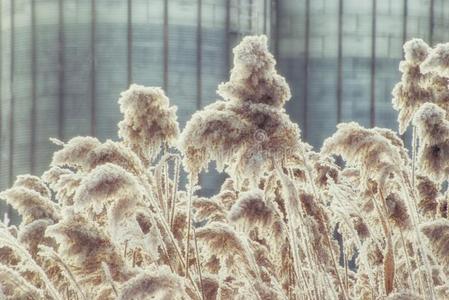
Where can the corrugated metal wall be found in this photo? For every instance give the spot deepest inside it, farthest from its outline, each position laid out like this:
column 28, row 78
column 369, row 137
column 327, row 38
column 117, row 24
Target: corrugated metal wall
column 341, row 57
column 65, row 62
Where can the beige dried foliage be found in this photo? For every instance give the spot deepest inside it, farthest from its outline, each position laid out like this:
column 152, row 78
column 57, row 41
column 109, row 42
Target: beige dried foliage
column 411, row 92
column 8, row 256
column 221, row 239
column 208, row 209
column 325, row 169
column 84, row 246
column 437, row 233
column 110, row 220
column 160, row 283
column 433, row 132
column 148, row 120
column 66, row 187
column 443, row 208
column 15, row 286
column 74, row 152
column 31, row 205
column 233, row 248
column 405, row 295
column 361, row 227
column 437, row 61
column 397, row 211
column 210, row 286
column 249, row 129
column 114, row 153
column 33, row 183
column 214, row 133
column 53, row 175
column 252, row 209
column 428, row 196
column 86, row 153
column 367, row 149
column 424, row 79
column 254, row 78
column 442, row 291
column 104, row 184
column 33, row 234
column 396, row 141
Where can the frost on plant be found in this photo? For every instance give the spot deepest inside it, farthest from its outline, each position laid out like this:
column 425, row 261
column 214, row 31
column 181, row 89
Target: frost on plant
column 149, row 122
column 109, row 219
column 425, row 73
column 249, row 130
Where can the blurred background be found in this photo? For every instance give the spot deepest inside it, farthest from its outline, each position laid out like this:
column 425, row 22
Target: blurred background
column 64, row 62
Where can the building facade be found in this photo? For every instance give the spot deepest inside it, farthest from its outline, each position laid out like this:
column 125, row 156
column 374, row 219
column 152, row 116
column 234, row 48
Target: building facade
column 64, row 63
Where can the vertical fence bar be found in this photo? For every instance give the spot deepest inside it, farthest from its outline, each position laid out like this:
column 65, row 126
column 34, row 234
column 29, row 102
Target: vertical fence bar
column 373, row 66
column 404, row 23
column 93, row 68
column 199, row 59
column 11, row 104
column 11, row 99
column 165, row 48
column 431, row 21
column 33, row 89
column 61, row 70
column 228, row 37
column 129, row 43
column 340, row 60
column 1, row 87
column 250, row 14
column 306, row 69
column 265, row 15
column 277, row 29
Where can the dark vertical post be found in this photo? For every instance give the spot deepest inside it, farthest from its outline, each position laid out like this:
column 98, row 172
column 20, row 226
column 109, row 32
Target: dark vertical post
column 265, row 16
column 61, row 71
column 306, row 69
column 431, row 21
column 93, row 68
column 11, row 103
column 250, row 13
column 165, row 48
column 129, row 44
column 373, row 66
column 1, row 86
column 404, row 23
column 239, row 17
column 340, row 60
column 277, row 30
column 11, row 99
column 199, row 42
column 404, row 39
column 228, row 37
column 33, row 88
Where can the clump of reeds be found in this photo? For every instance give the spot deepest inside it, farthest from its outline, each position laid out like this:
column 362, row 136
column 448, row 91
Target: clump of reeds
column 109, row 220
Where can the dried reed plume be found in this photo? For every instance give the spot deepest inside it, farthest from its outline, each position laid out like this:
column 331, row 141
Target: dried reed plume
column 105, row 183
column 410, row 93
column 110, row 219
column 31, row 205
column 437, row 232
column 149, row 122
column 161, row 283
column 252, row 209
column 437, row 61
column 367, row 149
column 433, row 133
column 249, row 129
